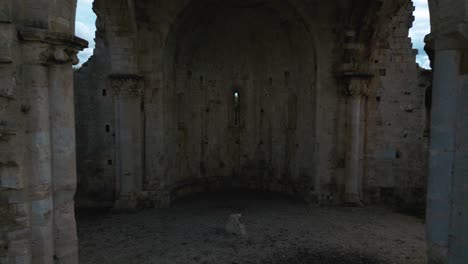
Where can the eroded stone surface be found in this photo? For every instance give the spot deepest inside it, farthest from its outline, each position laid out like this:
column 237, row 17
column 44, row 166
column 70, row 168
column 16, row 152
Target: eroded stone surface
column 251, row 94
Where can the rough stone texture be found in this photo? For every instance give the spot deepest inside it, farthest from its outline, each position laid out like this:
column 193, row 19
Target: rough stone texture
column 396, row 117
column 320, row 52
column 37, row 148
column 14, row 201
column 447, row 200
column 286, row 133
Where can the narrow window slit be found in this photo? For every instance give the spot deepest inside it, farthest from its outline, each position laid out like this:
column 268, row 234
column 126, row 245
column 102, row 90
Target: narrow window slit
column 236, row 108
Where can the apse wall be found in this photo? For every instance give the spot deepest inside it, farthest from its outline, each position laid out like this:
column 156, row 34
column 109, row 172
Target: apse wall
column 240, row 91
column 296, row 145
column 182, row 63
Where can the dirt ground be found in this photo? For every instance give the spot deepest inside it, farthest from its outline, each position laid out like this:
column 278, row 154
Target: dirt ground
column 280, row 230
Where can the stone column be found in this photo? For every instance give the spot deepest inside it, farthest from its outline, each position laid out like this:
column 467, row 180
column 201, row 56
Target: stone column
column 459, row 216
column 442, row 149
column 35, row 80
column 355, row 139
column 128, row 100
column 63, row 153
column 49, row 81
column 447, row 202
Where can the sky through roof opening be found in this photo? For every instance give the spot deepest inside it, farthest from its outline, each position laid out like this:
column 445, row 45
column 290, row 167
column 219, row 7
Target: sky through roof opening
column 85, row 28
column 421, row 27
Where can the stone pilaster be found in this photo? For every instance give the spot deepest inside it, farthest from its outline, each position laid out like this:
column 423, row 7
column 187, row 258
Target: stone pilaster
column 63, row 154
column 355, row 90
column 36, row 81
column 128, row 97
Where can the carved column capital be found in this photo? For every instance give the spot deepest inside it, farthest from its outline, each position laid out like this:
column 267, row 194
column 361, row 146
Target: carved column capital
column 356, row 88
column 454, row 39
column 62, row 55
column 355, row 83
column 50, row 47
column 126, row 85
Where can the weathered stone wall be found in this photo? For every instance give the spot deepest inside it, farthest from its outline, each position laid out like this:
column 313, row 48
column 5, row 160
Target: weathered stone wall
column 396, row 119
column 191, row 68
column 95, row 127
column 14, row 203
column 97, row 133
column 155, row 57
column 36, row 118
column 37, row 140
column 267, row 139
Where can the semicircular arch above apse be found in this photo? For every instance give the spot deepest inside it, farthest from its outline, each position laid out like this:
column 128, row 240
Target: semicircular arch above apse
column 239, row 98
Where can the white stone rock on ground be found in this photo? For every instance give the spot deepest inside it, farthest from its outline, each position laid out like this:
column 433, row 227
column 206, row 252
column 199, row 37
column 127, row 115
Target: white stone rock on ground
column 234, row 225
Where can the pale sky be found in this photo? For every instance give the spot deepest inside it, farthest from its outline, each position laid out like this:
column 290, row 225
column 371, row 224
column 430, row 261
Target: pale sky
column 86, row 19
column 421, row 27
column 85, row 27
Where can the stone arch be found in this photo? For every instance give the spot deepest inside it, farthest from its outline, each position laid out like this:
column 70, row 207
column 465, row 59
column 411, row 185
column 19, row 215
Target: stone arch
column 196, row 79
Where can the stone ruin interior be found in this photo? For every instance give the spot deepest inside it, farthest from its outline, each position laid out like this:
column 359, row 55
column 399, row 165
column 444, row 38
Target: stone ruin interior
column 307, row 125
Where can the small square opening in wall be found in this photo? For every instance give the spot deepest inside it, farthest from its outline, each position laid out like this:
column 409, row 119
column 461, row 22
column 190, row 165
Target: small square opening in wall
column 383, row 72
column 104, row 92
column 109, row 162
column 398, row 154
column 464, row 63
column 107, row 128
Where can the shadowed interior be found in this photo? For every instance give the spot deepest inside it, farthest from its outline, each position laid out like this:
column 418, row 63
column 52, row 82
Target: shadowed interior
column 263, row 52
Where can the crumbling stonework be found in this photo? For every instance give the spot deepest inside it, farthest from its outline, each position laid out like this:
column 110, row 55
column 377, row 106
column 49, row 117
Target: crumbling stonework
column 396, row 117
column 343, row 118
column 289, row 129
column 37, row 151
